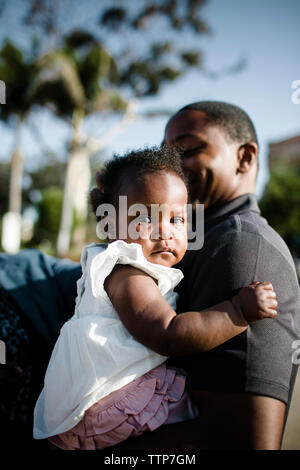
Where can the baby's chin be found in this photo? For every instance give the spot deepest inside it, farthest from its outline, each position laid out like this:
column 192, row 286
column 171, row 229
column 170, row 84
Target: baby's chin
column 165, row 259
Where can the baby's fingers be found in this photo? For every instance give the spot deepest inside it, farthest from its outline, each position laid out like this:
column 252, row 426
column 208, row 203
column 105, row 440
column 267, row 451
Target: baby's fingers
column 268, row 304
column 266, row 286
column 273, row 303
column 270, row 313
column 265, row 291
column 270, row 308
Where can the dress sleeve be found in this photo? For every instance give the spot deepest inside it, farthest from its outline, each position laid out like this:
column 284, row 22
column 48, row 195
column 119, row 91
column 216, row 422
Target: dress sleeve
column 120, row 252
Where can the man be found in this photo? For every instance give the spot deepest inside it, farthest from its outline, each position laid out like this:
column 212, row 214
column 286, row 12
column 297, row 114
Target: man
column 243, row 387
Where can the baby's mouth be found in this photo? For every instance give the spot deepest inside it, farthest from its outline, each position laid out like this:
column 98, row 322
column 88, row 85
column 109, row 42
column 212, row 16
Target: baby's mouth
column 166, row 250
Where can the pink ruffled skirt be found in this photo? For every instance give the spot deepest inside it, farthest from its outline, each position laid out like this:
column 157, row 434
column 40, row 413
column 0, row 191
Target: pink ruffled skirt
column 158, row 397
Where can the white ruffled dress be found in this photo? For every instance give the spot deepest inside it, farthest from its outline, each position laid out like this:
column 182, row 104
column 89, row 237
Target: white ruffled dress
column 101, row 385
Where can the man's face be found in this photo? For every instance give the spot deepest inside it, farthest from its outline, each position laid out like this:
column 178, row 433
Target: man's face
column 210, row 158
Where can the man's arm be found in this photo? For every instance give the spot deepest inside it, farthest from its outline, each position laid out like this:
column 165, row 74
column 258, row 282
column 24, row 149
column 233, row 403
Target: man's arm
column 43, row 287
column 228, row 421
column 242, row 387
column 249, row 378
column 240, row 420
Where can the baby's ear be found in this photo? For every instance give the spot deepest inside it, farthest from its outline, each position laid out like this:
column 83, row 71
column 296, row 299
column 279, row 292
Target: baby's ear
column 99, row 180
column 247, row 157
column 96, row 198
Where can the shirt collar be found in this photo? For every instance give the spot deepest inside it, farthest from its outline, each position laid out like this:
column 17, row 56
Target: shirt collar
column 244, row 203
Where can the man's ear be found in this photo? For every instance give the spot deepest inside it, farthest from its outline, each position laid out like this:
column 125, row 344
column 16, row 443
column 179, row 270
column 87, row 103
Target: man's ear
column 247, row 157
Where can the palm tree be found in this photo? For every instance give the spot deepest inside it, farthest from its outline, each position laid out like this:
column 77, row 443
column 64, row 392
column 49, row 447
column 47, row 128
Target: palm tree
column 78, row 80
column 17, row 72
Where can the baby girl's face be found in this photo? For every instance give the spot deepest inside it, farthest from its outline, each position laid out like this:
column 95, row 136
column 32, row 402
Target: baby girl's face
column 163, row 238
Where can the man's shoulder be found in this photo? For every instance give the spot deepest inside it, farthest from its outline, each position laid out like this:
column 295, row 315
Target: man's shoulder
column 244, row 224
column 247, row 229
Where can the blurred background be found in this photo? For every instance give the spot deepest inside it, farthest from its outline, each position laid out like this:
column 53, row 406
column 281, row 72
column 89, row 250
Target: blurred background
column 80, row 81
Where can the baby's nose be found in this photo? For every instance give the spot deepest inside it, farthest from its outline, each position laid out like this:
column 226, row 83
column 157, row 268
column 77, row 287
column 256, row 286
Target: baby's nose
column 165, row 231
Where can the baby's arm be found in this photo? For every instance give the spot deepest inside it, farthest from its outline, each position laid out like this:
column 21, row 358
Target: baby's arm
column 152, row 321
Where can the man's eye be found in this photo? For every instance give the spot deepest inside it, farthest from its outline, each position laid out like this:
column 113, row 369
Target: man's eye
column 191, row 152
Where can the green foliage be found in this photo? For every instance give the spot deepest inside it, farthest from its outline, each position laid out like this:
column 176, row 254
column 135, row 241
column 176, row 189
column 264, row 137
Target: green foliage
column 113, row 17
column 18, row 73
column 49, row 215
column 78, row 76
column 50, row 175
column 49, row 209
column 280, row 204
column 141, row 63
column 191, row 58
column 4, row 187
column 82, row 71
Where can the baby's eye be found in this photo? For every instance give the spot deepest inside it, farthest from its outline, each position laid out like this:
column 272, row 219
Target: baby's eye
column 144, row 219
column 178, row 220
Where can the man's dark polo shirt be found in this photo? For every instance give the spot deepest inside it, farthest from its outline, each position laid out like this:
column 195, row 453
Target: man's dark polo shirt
column 239, row 248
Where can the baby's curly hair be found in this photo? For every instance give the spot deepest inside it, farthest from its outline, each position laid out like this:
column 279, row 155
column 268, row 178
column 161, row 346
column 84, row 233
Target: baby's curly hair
column 138, row 162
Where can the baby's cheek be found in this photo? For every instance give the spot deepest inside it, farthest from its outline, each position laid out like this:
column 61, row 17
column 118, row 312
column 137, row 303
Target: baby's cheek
column 180, row 233
column 138, row 232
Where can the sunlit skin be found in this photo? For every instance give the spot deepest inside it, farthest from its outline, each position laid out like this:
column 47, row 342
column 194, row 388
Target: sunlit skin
column 219, row 169
column 166, row 243
column 151, row 320
column 135, row 295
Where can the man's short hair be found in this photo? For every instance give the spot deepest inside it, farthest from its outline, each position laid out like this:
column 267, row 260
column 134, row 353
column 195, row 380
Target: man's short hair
column 235, row 122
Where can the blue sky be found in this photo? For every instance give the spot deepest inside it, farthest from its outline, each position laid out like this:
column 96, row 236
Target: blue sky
column 266, row 33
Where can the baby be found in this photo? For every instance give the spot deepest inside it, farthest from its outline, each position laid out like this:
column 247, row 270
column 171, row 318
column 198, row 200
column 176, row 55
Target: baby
column 107, row 379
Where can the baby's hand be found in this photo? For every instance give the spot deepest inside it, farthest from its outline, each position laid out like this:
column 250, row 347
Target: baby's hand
column 257, row 301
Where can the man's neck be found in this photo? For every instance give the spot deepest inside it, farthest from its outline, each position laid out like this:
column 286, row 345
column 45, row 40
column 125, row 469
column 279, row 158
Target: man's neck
column 242, row 203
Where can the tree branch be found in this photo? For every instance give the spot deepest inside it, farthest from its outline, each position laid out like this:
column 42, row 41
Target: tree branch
column 94, row 145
